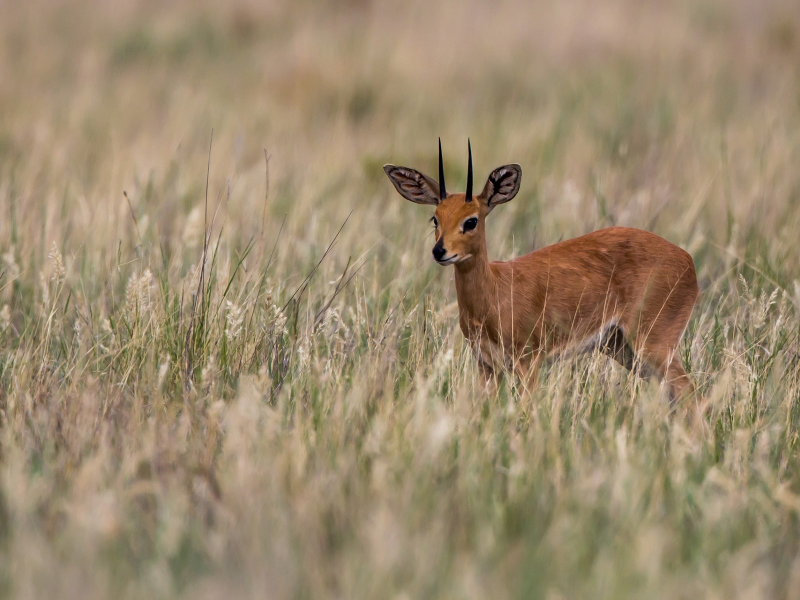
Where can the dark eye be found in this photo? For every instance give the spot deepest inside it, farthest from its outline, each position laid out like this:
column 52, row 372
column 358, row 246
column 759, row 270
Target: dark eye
column 470, row 224
column 435, row 223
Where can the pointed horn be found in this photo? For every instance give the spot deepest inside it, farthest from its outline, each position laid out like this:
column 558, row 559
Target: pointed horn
column 442, row 189
column 469, row 173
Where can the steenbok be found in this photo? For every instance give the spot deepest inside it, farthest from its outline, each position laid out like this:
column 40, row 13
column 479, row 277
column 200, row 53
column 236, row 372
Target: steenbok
column 626, row 292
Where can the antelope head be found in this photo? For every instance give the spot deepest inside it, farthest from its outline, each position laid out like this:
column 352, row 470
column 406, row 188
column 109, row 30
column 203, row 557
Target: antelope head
column 459, row 220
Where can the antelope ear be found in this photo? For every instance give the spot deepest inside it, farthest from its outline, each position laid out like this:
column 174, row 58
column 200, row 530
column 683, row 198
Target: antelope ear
column 413, row 185
column 502, row 185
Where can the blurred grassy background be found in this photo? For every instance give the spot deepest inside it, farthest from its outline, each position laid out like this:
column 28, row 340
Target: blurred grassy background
column 165, row 434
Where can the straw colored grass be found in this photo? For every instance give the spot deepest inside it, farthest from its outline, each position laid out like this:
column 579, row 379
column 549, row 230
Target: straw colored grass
column 230, row 368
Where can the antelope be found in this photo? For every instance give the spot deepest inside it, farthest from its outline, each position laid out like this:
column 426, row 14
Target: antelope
column 625, row 292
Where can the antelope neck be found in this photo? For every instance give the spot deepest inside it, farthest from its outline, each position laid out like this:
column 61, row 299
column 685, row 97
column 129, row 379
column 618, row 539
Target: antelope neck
column 475, row 285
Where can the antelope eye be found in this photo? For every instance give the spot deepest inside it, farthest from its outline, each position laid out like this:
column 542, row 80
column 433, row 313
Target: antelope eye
column 470, row 224
column 435, row 223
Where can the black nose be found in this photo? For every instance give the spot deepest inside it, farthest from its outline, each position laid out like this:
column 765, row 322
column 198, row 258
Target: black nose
column 439, row 251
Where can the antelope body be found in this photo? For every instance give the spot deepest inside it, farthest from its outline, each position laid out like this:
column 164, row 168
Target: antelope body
column 623, row 291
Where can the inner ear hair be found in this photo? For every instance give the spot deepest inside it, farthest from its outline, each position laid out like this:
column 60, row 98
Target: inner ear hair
column 413, row 185
column 502, row 185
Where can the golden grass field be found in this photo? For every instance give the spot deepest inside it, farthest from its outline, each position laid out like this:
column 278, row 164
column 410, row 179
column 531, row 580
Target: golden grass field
column 258, row 429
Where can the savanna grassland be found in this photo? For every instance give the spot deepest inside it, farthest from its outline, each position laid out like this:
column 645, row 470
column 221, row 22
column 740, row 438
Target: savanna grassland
column 229, row 367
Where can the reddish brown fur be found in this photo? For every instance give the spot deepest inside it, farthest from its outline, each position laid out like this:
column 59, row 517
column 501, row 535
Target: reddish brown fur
column 563, row 296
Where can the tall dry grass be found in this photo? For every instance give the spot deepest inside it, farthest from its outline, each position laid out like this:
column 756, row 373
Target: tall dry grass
column 196, row 398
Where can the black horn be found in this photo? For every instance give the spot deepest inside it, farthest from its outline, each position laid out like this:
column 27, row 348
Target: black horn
column 469, row 173
column 442, row 189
